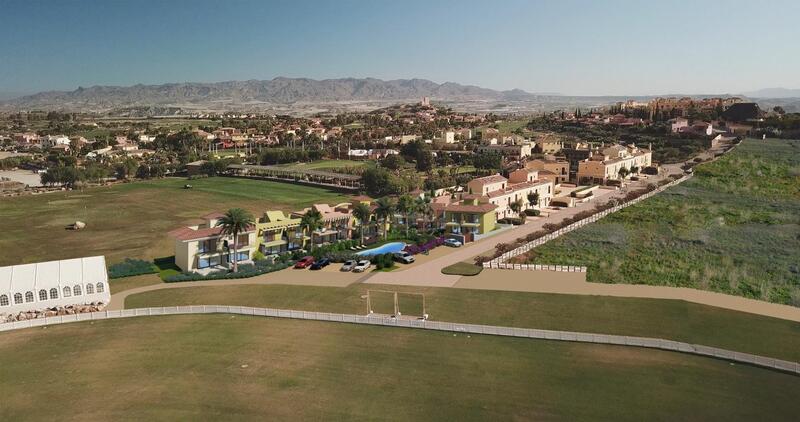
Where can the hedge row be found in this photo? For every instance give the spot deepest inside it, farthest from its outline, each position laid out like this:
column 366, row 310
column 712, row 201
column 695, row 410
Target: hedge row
column 245, row 271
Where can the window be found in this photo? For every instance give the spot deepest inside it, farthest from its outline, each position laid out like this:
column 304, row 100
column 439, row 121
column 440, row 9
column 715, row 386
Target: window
column 67, row 291
column 3, row 300
column 17, row 298
column 42, row 294
column 76, row 290
column 29, row 297
column 54, row 293
column 100, row 287
column 89, row 289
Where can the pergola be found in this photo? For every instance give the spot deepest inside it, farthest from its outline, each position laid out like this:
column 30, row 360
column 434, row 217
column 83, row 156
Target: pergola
column 317, row 177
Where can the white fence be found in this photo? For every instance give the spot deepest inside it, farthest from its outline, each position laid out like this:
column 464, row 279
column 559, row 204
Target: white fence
column 535, row 267
column 653, row 343
column 499, row 262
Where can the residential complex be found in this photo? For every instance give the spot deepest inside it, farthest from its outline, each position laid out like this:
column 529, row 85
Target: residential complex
column 607, row 164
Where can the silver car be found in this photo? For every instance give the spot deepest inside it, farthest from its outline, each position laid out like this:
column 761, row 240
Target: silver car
column 348, row 265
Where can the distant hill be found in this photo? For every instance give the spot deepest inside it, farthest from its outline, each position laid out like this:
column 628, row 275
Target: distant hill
column 279, row 91
column 774, row 93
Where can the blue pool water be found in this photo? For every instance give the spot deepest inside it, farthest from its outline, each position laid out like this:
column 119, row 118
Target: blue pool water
column 387, row 248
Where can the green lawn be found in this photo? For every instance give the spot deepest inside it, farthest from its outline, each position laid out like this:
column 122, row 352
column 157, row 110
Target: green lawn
column 669, row 319
column 246, row 368
column 462, row 268
column 734, row 228
column 132, row 219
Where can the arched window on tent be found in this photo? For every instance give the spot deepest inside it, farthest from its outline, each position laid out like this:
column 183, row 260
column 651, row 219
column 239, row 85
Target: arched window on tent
column 3, row 300
column 53, row 293
column 100, row 287
column 76, row 290
column 28, row 297
column 67, row 291
column 89, row 289
column 43, row 294
column 17, row 298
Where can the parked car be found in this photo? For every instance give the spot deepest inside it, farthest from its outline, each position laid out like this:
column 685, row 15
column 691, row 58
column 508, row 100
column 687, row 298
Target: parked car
column 361, row 266
column 453, row 243
column 322, row 263
column 348, row 265
column 304, row 262
column 403, row 257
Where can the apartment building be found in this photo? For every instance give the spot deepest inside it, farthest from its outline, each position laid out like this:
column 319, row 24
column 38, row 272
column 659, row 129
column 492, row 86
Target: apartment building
column 605, row 165
column 204, row 246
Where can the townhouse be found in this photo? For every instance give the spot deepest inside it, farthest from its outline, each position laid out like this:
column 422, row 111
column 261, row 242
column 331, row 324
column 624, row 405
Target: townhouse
column 502, row 192
column 606, row 164
column 337, row 223
column 204, row 246
column 467, row 217
column 278, row 233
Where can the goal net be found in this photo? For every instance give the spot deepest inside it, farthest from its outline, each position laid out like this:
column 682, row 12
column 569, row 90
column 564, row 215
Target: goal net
column 398, row 304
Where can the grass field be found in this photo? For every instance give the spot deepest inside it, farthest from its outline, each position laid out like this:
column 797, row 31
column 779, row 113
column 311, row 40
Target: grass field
column 132, row 220
column 734, row 228
column 235, row 368
column 669, row 319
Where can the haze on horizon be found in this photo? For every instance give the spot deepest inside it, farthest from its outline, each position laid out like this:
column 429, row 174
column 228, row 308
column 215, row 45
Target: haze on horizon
column 570, row 47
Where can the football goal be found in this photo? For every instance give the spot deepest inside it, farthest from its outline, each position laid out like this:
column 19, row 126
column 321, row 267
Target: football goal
column 397, row 304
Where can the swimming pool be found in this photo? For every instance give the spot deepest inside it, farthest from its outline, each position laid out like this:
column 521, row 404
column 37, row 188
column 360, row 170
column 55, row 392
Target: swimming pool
column 387, row 248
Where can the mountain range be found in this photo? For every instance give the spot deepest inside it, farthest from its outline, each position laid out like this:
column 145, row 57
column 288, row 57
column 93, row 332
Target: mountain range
column 278, row 91
column 303, row 95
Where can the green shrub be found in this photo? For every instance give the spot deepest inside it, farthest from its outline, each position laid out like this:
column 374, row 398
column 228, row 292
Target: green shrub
column 245, row 271
column 131, row 267
column 530, row 212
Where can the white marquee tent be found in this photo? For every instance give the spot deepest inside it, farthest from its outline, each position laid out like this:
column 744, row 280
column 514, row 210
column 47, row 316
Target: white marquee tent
column 31, row 287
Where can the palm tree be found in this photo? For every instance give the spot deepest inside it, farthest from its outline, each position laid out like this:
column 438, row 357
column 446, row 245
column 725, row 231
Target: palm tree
column 362, row 212
column 423, row 206
column 405, row 206
column 235, row 221
column 384, row 210
column 311, row 220
column 533, row 198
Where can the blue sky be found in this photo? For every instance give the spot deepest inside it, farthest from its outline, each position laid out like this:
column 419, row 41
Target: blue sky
column 570, row 47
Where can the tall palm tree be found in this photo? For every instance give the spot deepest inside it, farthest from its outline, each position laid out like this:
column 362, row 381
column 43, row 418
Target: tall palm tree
column 385, row 209
column 311, row 220
column 362, row 212
column 423, row 206
column 405, row 205
column 235, row 221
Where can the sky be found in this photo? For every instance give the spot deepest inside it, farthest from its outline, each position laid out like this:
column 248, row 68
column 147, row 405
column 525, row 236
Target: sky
column 602, row 47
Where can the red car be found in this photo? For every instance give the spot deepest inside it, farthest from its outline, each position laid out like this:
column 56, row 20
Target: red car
column 304, row 262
